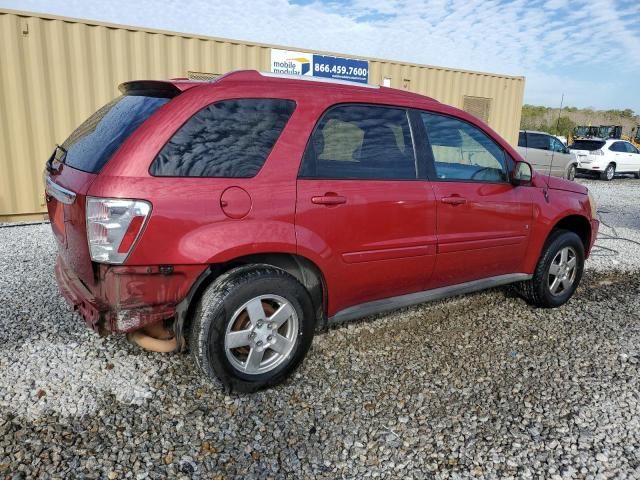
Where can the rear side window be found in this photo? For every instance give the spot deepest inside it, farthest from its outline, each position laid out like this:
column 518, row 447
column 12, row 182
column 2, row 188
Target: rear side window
column 93, row 143
column 538, row 141
column 618, row 147
column 587, row 145
column 361, row 142
column 231, row 139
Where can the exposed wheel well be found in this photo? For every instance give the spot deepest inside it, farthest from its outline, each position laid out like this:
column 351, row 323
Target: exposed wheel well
column 578, row 225
column 303, row 269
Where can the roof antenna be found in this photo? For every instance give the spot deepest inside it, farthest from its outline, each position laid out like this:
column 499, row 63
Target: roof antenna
column 553, row 152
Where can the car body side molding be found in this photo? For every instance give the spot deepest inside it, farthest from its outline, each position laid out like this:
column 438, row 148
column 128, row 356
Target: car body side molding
column 393, row 303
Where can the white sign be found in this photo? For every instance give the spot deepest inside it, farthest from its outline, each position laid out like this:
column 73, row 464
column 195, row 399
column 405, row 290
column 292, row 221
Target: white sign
column 291, row 62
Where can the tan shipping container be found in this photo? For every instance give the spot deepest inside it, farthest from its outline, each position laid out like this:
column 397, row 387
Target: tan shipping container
column 56, row 71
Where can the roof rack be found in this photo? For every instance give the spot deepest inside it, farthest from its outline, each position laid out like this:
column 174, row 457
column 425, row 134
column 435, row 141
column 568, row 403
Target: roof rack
column 317, row 79
column 202, row 76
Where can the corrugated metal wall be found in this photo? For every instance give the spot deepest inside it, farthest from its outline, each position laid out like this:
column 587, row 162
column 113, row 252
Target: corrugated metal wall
column 54, row 72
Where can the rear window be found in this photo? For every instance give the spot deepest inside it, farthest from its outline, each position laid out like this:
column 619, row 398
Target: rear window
column 93, row 143
column 587, row 145
column 230, row 139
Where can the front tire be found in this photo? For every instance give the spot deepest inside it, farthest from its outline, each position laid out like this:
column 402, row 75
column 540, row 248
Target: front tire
column 558, row 272
column 609, row 172
column 251, row 328
column 637, row 174
column 571, row 173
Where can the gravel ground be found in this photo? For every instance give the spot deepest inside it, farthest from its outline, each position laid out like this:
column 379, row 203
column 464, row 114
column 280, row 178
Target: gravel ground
column 478, row 386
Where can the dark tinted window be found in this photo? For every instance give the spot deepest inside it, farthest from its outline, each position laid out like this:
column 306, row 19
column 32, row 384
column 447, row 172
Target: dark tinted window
column 538, row 141
column 630, row 148
column 231, row 138
column 93, row 143
column 461, row 151
column 522, row 141
column 587, row 145
column 361, row 142
column 618, row 147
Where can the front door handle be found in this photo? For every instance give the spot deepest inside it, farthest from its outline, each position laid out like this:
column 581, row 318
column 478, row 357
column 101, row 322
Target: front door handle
column 453, row 200
column 329, row 198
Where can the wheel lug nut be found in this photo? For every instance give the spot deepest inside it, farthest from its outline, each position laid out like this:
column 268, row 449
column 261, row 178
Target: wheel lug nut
column 259, row 343
column 259, row 325
column 272, row 326
column 270, row 337
column 252, row 335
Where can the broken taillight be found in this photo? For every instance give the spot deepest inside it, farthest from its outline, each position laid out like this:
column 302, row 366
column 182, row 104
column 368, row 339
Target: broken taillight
column 113, row 226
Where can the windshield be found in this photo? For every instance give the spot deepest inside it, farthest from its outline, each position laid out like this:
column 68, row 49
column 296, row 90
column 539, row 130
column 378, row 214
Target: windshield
column 93, row 143
column 587, row 145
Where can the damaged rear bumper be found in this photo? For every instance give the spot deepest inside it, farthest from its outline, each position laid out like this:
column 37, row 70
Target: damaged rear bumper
column 125, row 298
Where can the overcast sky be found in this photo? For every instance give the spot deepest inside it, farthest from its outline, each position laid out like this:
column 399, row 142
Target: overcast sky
column 590, row 50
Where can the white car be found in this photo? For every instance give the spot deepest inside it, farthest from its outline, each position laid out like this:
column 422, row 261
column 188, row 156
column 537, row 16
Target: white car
column 606, row 157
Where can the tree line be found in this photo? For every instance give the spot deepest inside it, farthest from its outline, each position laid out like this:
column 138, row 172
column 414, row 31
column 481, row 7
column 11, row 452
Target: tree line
column 546, row 119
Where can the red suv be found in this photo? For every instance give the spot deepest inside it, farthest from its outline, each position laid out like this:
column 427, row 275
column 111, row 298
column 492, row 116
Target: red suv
column 248, row 211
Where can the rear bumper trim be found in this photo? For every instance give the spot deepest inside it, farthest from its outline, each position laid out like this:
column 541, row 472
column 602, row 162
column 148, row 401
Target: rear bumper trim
column 126, row 298
column 59, row 193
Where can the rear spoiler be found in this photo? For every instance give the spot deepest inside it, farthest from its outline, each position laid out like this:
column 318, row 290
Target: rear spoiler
column 150, row 88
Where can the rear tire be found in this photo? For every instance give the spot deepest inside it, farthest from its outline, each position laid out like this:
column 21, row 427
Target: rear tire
column 637, row 174
column 558, row 272
column 251, row 328
column 609, row 172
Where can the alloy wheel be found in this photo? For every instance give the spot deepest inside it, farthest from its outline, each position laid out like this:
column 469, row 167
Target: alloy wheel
column 261, row 334
column 562, row 271
column 610, row 172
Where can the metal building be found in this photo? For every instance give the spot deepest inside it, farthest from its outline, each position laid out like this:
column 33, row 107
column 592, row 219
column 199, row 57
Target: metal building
column 56, row 71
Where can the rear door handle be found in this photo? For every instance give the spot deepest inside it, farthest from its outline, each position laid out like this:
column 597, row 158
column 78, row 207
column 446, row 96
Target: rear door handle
column 329, row 198
column 453, row 200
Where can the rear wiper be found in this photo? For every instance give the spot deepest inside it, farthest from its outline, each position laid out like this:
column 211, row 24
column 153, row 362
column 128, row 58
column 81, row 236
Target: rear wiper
column 58, row 155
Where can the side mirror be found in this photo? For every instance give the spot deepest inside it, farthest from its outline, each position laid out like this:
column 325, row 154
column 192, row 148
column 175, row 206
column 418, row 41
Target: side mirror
column 521, row 174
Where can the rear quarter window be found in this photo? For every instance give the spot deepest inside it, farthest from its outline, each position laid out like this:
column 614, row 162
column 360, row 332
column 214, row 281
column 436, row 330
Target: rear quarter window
column 230, row 139
column 93, row 143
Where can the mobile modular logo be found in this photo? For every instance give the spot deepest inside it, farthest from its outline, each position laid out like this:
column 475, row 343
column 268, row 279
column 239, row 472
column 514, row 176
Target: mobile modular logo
column 290, row 62
column 314, row 65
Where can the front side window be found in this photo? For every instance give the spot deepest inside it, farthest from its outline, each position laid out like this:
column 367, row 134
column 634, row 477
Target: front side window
column 231, row 138
column 461, row 151
column 361, row 142
column 538, row 141
column 630, row 148
column 556, row 145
